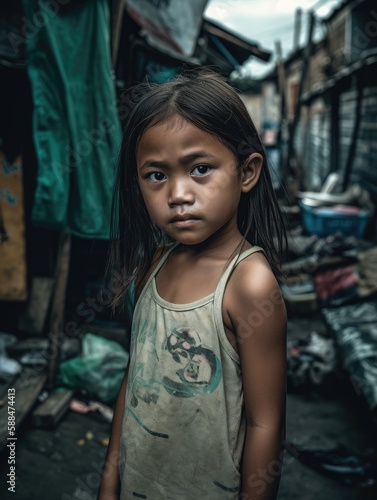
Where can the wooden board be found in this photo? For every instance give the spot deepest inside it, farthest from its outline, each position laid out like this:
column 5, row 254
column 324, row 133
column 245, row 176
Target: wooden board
column 51, row 411
column 26, row 345
column 27, row 387
column 56, row 322
column 13, row 284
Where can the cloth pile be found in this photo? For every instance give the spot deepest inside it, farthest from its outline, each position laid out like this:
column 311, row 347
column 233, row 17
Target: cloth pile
column 336, row 277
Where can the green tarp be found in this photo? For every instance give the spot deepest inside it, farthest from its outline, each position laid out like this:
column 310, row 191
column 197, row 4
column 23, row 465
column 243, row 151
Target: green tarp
column 76, row 128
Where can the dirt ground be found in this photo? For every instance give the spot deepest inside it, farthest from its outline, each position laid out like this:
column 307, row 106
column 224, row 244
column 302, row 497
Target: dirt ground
column 65, row 463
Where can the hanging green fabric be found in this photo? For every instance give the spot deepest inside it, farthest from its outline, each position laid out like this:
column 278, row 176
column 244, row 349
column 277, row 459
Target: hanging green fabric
column 76, row 127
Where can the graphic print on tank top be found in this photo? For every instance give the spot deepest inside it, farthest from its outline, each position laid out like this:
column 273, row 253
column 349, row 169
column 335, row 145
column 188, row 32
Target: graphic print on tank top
column 196, row 368
column 202, row 370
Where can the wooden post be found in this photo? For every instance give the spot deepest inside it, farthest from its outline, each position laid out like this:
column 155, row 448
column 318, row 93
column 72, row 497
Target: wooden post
column 283, row 102
column 280, row 70
column 297, row 29
column 117, row 9
column 58, row 307
column 291, row 162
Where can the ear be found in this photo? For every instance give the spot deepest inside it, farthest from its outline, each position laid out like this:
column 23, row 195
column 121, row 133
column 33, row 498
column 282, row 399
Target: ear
column 251, row 170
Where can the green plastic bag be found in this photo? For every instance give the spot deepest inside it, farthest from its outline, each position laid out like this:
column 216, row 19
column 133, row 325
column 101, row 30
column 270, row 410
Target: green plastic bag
column 99, row 369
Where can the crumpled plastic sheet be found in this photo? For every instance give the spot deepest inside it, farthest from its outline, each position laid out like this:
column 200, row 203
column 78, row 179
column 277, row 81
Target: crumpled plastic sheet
column 310, row 361
column 9, row 367
column 355, row 332
column 99, row 370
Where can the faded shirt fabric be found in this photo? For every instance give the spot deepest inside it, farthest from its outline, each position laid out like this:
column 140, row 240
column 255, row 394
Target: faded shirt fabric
column 184, row 425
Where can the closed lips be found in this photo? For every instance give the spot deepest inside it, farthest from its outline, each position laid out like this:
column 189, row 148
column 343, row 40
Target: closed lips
column 184, row 218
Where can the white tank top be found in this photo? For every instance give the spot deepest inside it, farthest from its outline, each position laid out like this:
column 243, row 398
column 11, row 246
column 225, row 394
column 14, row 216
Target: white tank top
column 184, row 426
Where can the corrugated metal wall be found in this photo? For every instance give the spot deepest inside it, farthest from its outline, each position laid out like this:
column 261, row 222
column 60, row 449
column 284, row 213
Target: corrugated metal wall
column 313, row 143
column 364, row 167
column 347, row 113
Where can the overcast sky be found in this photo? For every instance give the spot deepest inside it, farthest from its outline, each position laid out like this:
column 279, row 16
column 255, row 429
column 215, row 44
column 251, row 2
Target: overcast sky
column 264, row 21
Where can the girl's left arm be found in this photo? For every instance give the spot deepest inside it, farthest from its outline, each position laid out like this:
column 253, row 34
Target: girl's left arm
column 259, row 318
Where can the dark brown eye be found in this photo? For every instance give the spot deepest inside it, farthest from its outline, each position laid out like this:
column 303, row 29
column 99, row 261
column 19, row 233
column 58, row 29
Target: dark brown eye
column 200, row 170
column 156, row 176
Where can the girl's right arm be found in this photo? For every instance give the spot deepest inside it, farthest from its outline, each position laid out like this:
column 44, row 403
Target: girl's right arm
column 110, row 482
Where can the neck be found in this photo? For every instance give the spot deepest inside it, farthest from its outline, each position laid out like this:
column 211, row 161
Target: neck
column 221, row 245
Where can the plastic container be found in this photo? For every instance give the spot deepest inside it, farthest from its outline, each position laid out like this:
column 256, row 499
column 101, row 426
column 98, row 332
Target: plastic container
column 325, row 221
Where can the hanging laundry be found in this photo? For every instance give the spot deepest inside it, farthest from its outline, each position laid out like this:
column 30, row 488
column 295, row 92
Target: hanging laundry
column 76, row 127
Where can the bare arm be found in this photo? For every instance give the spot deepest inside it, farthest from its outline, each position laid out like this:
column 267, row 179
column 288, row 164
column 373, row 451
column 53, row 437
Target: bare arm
column 259, row 317
column 110, row 482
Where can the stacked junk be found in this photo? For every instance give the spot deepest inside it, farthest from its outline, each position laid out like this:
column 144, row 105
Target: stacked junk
column 331, row 271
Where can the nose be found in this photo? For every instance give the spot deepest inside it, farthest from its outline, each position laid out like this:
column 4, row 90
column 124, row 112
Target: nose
column 180, row 192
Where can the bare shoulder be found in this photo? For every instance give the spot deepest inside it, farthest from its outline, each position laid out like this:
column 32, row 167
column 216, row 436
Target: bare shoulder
column 253, row 278
column 254, row 295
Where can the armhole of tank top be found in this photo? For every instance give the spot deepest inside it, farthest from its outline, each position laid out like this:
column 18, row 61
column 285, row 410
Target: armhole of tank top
column 219, row 298
column 160, row 263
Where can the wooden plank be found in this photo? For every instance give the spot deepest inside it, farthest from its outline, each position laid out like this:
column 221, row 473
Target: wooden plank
column 51, row 411
column 27, row 387
column 33, row 318
column 27, row 345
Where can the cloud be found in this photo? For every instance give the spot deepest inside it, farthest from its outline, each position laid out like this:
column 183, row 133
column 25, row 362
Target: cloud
column 264, row 21
column 253, row 9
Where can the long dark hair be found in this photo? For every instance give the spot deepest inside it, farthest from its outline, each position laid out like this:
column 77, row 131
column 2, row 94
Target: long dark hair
column 205, row 99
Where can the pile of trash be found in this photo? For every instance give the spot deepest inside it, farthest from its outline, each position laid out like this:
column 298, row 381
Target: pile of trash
column 331, row 270
column 94, row 365
column 354, row 328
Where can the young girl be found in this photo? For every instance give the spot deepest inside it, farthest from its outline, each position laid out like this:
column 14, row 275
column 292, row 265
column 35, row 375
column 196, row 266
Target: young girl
column 200, row 413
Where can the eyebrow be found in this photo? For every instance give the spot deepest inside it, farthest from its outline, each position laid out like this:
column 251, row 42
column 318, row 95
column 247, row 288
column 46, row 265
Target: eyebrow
column 184, row 160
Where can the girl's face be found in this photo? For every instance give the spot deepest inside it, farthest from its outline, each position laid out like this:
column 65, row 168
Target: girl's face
column 189, row 181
